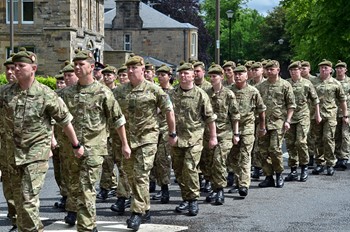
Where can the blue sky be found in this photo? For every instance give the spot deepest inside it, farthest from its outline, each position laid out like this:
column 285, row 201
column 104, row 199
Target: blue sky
column 262, row 6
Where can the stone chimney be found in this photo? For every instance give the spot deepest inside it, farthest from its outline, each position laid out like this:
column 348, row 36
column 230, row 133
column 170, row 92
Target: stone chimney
column 127, row 15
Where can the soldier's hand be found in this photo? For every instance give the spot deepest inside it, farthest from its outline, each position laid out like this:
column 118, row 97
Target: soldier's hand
column 318, row 119
column 286, row 126
column 346, row 120
column 262, row 132
column 79, row 152
column 213, row 141
column 235, row 139
column 126, row 151
column 172, row 141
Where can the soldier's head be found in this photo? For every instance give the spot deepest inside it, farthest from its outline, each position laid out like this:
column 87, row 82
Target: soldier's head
column 109, row 75
column 149, row 72
column 136, row 69
column 257, row 70
column 325, row 68
column 272, row 68
column 248, row 64
column 199, row 72
column 305, row 68
column 123, row 74
column 26, row 64
column 98, row 71
column 294, row 69
column 84, row 64
column 241, row 75
column 341, row 69
column 68, row 74
column 186, row 75
column 228, row 67
column 60, row 84
column 216, row 74
column 10, row 70
column 164, row 74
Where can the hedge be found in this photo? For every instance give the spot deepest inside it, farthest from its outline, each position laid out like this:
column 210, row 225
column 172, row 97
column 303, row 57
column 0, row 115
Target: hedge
column 49, row 81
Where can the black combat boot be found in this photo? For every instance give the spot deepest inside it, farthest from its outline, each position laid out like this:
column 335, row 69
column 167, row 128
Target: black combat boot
column 119, row 206
column 243, row 191
column 71, row 218
column 134, row 221
column 127, row 203
column 230, row 179
column 330, row 171
column 94, row 229
column 256, row 173
column 220, row 197
column 183, row 207
column 293, row 175
column 61, row 204
column 211, row 197
column 234, row 189
column 146, row 218
column 311, row 161
column 341, row 164
column 193, row 208
column 268, row 182
column 201, row 182
column 165, row 197
column 319, row 169
column 152, row 186
column 157, row 196
column 279, row 180
column 103, row 194
column 207, row 186
column 304, row 173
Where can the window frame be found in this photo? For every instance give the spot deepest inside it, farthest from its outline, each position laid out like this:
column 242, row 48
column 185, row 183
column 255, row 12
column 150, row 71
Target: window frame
column 125, row 43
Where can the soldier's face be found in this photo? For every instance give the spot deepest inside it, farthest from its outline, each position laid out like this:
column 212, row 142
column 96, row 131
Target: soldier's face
column 83, row 68
column 24, row 72
column 123, row 78
column 136, row 74
column 60, row 84
column 215, row 79
column 198, row 73
column 257, row 72
column 186, row 78
column 241, row 77
column 294, row 72
column 163, row 78
column 305, row 71
column 272, row 72
column 228, row 72
column 149, row 75
column 109, row 78
column 340, row 71
column 98, row 74
column 325, row 71
column 70, row 78
column 10, row 73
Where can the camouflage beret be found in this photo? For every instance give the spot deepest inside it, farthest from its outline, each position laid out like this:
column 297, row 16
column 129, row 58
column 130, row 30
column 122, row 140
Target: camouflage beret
column 341, row 64
column 240, row 68
column 110, row 69
column 295, row 64
column 99, row 66
column 305, row 63
column 68, row 68
column 83, row 55
column 164, row 68
column 215, row 69
column 185, row 66
column 326, row 63
column 257, row 65
column 135, row 60
column 8, row 61
column 272, row 64
column 59, row 76
column 25, row 56
column 199, row 63
column 229, row 64
column 249, row 64
column 264, row 62
column 122, row 69
column 149, row 66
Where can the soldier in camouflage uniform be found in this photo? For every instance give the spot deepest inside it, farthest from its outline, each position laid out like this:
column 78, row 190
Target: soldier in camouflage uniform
column 228, row 67
column 162, row 161
column 279, row 99
column 257, row 78
column 250, row 103
column 342, row 133
column 226, row 108
column 94, row 109
column 193, row 111
column 305, row 73
column 6, row 169
column 149, row 72
column 296, row 136
column 28, row 108
column 140, row 101
column 108, row 180
column 329, row 90
column 98, row 72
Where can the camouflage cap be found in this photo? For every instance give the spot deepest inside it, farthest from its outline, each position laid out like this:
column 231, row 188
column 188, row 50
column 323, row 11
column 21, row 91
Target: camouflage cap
column 272, row 64
column 229, row 64
column 341, row 64
column 83, row 55
column 122, row 69
column 135, row 60
column 149, row 66
column 216, row 69
column 248, row 64
column 199, row 63
column 99, row 66
column 264, row 62
column 326, row 63
column 257, row 65
column 240, row 68
column 25, row 56
column 185, row 66
column 164, row 68
column 69, row 67
column 305, row 63
column 294, row 64
column 59, row 76
column 8, row 61
column 110, row 69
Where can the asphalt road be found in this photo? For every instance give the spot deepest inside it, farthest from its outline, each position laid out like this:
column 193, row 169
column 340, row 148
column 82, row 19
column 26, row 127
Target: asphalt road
column 320, row 204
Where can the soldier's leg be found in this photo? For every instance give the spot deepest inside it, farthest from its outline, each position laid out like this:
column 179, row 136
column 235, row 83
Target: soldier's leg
column 90, row 167
column 329, row 143
column 311, row 143
column 7, row 187
column 301, row 143
column 338, row 137
column 108, row 178
column 27, row 184
column 293, row 159
column 56, row 161
column 345, row 147
column 177, row 158
column 244, row 166
column 317, row 132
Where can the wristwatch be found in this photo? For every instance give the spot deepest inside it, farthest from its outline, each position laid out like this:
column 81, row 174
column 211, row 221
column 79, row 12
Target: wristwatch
column 76, row 146
column 172, row 134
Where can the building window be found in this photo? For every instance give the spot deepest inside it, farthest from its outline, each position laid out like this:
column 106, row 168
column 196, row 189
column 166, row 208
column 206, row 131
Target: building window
column 16, row 49
column 194, row 45
column 15, row 11
column 127, row 42
column 27, row 11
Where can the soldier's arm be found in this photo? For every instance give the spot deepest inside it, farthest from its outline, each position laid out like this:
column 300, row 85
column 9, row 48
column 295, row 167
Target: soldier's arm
column 213, row 141
column 344, row 109
column 70, row 132
column 125, row 146
column 170, row 119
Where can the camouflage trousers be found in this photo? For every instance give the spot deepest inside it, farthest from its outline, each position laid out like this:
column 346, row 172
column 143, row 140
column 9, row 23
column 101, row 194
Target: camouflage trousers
column 342, row 140
column 123, row 187
column 27, row 182
column 71, row 164
column 7, row 172
column 270, row 147
column 162, row 162
column 256, row 156
column 240, row 159
column 60, row 169
column 324, row 133
column 296, row 142
column 85, row 175
column 138, row 169
column 311, row 139
column 216, row 163
column 185, row 161
column 109, row 175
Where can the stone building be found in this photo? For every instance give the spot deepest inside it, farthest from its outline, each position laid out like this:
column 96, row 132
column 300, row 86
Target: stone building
column 133, row 26
column 53, row 29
